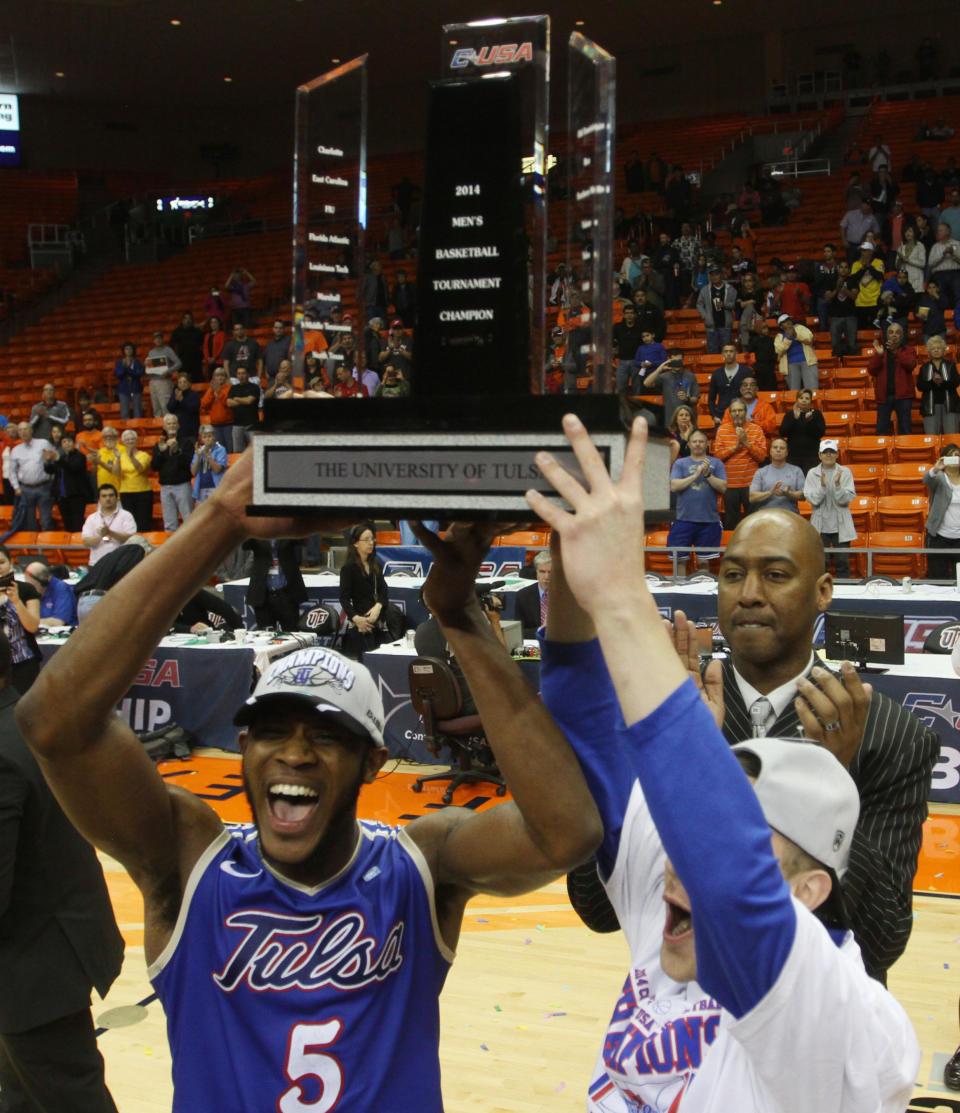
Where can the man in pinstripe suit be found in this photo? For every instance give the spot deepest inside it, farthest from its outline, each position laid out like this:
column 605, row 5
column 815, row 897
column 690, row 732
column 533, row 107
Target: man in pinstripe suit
column 772, row 587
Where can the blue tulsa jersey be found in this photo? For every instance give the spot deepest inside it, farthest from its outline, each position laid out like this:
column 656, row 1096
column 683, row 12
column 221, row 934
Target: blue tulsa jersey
column 279, row 996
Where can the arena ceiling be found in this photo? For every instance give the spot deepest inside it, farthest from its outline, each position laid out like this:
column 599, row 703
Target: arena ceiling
column 129, row 52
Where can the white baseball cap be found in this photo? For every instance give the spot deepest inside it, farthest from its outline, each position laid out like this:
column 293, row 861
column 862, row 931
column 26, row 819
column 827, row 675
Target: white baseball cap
column 828, row 444
column 806, row 795
column 331, row 683
column 868, row 246
column 784, row 317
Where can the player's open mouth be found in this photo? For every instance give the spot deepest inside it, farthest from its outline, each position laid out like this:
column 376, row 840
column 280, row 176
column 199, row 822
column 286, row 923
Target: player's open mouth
column 291, row 805
column 679, row 921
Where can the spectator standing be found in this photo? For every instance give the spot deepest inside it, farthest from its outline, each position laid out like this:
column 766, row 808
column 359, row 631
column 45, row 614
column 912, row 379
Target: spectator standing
column 185, row 404
column 58, row 604
column 404, row 298
column 70, row 483
column 779, row 483
column 798, row 361
column 130, row 467
column 855, row 226
column 697, row 480
column 171, row 460
column 759, row 412
column 162, row 364
column 649, row 354
column 742, row 447
column 912, row 255
column 242, row 351
column 929, row 194
column 213, row 342
column 237, row 287
column 649, row 317
column 841, row 303
column 943, row 519
column 394, row 385
column 215, row 306
column 49, row 412
column 214, row 410
column 109, row 526
column 938, row 380
column 209, row 462
column 683, row 425
column 950, row 214
column 867, row 272
column 60, row 938
column 187, row 342
column 929, row 311
column 725, row 383
column 943, row 261
column 748, row 300
column 795, row 296
column 879, row 155
column 677, row 384
column 829, row 489
column 107, row 457
column 373, row 291
column 276, row 351
column 30, row 480
column 632, row 262
column 715, row 304
column 892, row 365
column 243, row 399
column 128, row 372
column 276, row 587
column 765, row 362
column 627, row 337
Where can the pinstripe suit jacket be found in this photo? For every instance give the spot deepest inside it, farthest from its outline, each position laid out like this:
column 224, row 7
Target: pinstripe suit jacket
column 891, row 769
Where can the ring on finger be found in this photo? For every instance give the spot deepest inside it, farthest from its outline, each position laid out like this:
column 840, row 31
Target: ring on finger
column 835, row 725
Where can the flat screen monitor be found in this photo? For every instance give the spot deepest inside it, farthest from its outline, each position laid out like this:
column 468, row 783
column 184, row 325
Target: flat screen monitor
column 9, row 129
column 864, row 638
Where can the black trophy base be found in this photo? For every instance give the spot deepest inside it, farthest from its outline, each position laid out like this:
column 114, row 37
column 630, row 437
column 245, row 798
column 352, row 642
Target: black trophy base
column 467, row 457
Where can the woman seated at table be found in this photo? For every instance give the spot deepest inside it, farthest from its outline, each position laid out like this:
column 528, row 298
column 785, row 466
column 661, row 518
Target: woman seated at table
column 943, row 520
column 371, row 619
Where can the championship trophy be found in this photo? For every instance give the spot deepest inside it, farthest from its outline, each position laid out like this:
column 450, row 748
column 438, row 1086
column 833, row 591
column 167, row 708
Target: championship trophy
column 462, row 444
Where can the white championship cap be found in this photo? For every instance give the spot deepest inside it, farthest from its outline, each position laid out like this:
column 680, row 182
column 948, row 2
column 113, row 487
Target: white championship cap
column 828, row 444
column 331, row 683
column 806, row 795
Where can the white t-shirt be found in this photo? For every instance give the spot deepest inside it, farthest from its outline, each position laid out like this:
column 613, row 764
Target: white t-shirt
column 827, row 1038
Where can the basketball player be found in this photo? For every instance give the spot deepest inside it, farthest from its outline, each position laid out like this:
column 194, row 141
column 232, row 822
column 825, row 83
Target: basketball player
column 739, row 996
column 299, row 960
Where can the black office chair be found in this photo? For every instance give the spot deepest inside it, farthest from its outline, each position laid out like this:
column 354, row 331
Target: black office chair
column 435, row 694
column 943, row 638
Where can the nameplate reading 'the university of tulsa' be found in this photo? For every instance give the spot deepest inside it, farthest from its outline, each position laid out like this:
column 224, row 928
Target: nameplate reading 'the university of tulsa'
column 403, row 474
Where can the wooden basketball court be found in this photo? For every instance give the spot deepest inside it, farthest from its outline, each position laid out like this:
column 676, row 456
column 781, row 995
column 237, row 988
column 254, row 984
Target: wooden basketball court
column 527, row 1001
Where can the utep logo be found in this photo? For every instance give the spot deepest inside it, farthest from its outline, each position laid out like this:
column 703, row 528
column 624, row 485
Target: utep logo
column 505, row 54
column 929, row 706
column 314, row 669
column 304, row 952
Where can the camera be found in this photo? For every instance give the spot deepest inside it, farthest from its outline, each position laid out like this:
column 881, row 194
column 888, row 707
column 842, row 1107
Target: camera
column 7, row 580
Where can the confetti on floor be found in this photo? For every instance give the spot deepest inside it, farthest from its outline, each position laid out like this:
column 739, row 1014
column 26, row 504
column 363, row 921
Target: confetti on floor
column 557, row 1089
column 497, row 1009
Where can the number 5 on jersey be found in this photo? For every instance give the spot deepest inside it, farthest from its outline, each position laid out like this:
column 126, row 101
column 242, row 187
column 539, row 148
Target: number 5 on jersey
column 304, row 1061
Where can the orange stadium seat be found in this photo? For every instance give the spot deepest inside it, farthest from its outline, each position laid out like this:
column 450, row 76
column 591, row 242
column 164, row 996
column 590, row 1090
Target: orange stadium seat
column 897, row 564
column 658, row 562
column 841, row 400
column 867, row 478
column 863, row 509
column 907, row 512
column 868, row 450
column 388, row 537
column 916, row 446
column 905, row 479
column 532, row 539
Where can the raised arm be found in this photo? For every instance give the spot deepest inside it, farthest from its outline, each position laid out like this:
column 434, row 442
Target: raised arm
column 541, row 833
column 719, row 846
column 92, row 760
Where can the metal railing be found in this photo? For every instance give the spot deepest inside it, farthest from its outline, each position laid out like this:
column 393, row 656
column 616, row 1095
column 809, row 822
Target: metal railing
column 812, row 126
column 712, row 551
column 797, row 167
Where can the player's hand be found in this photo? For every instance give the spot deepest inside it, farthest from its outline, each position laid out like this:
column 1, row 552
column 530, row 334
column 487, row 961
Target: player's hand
column 449, row 588
column 824, row 700
column 683, row 633
column 607, row 518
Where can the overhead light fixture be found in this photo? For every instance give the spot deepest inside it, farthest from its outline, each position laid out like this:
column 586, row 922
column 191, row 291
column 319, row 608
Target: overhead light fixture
column 579, row 23
column 228, row 79
column 335, row 61
column 59, row 73
column 174, row 22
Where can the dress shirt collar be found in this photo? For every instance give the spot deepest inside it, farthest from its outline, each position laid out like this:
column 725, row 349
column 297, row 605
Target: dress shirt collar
column 779, row 697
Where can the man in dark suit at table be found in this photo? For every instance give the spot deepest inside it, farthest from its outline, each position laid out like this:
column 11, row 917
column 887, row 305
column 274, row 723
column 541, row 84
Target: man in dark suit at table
column 772, row 587
column 532, row 601
column 58, row 939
